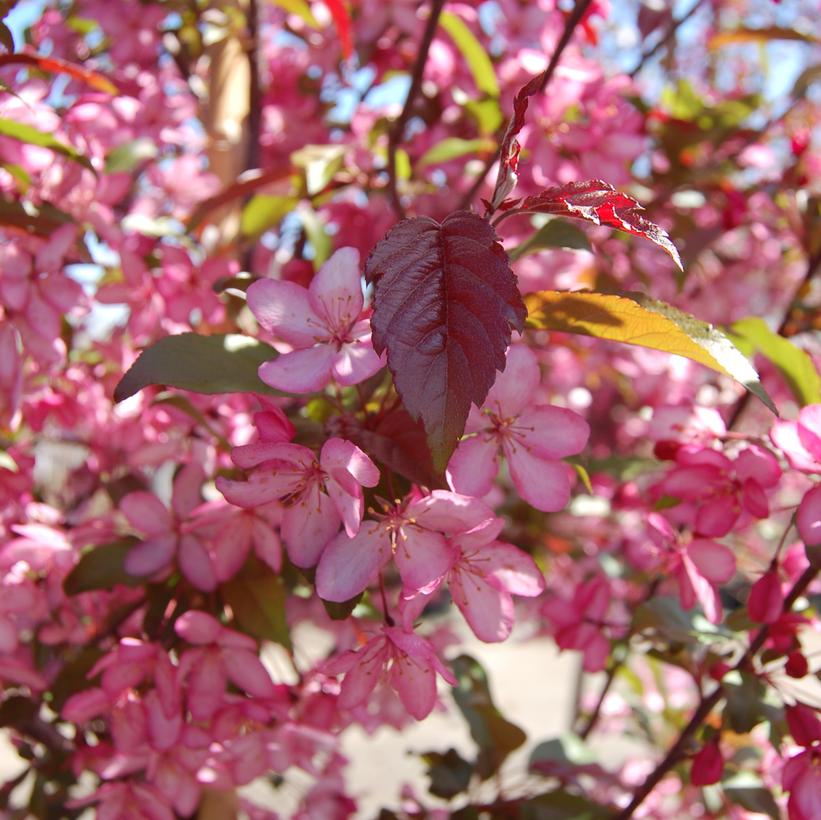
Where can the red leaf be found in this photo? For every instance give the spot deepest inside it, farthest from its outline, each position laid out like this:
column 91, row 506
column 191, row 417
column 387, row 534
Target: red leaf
column 54, row 65
column 398, row 442
column 342, row 21
column 598, row 202
column 445, row 302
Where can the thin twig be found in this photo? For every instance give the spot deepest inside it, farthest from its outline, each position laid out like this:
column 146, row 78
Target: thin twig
column 708, row 702
column 573, row 20
column 813, row 266
column 674, row 26
column 398, row 129
column 252, row 159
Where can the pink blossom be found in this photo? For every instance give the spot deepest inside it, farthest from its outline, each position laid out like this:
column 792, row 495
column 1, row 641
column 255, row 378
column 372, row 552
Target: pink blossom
column 800, row 440
column 708, row 765
column 719, row 489
column 808, row 517
column 577, row 622
column 405, row 661
column 766, row 599
column 318, row 494
column 414, row 532
column 220, row 655
column 166, row 533
column 699, row 566
column 801, row 777
column 483, row 579
column 532, row 437
column 323, row 325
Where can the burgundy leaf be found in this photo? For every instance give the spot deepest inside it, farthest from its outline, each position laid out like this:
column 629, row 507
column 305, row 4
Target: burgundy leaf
column 398, row 442
column 445, row 302
column 598, row 202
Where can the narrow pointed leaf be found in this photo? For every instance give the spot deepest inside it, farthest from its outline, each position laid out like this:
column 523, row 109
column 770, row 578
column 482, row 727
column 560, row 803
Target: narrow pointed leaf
column 753, row 335
column 600, row 203
column 223, row 363
column 32, row 136
column 444, row 305
column 342, row 21
column 474, row 53
column 636, row 319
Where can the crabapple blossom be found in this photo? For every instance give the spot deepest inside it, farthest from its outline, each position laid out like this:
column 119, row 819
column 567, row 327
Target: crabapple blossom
column 318, row 494
column 718, row 490
column 406, row 661
column 414, row 532
column 322, row 325
column 532, row 437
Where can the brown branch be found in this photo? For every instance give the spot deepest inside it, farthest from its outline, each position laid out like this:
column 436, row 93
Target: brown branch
column 252, row 159
column 397, row 131
column 708, row 702
column 573, row 20
column 668, row 36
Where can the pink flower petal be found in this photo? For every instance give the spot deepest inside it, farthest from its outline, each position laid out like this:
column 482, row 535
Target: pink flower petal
column 545, row 485
column 146, row 513
column 415, row 683
column 514, row 386
column 717, row 515
column 198, row 628
column 487, row 609
column 473, row 467
column 195, row 564
column 784, row 434
column 348, row 564
column 515, row 570
column 339, row 454
column 758, row 464
column 308, row 526
column 151, row 555
column 809, row 429
column 283, row 308
column 423, row 558
column 552, row 432
column 335, row 293
column 808, row 517
column 355, row 362
column 245, row 670
column 302, row 371
column 713, row 560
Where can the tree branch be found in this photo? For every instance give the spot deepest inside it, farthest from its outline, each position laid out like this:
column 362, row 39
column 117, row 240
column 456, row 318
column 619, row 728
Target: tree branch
column 398, row 129
column 674, row 26
column 708, row 702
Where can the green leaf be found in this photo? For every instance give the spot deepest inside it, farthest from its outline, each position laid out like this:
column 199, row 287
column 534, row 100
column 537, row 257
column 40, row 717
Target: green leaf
column 747, row 791
column 129, row 155
column 752, row 335
column 32, row 136
column 472, row 50
column 319, row 164
column 495, row 736
column 19, row 173
column 264, row 211
column 39, row 220
column 487, row 113
column 449, row 773
column 300, row 8
column 633, row 318
column 102, row 568
column 557, row 233
column 743, row 710
column 257, row 598
column 453, row 148
column 561, row 805
column 223, row 363
column 318, row 237
column 567, row 749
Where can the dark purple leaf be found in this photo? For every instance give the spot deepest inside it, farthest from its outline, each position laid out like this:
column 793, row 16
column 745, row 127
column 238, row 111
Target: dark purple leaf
column 445, row 302
column 601, row 203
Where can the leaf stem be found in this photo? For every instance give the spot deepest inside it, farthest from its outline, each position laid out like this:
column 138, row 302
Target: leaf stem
column 398, row 128
column 708, row 702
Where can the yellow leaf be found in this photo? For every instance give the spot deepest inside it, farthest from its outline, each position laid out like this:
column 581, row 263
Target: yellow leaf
column 635, row 319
